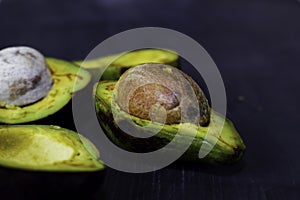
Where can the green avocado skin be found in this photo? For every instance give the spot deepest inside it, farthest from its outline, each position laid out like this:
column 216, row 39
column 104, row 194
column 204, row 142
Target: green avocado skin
column 228, row 149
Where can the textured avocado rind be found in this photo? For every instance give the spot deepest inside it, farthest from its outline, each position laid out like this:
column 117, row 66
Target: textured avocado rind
column 67, row 79
column 229, row 147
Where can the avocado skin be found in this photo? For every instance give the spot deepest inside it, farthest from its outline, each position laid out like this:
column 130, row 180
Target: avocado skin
column 144, row 145
column 23, row 184
column 132, row 144
column 229, row 148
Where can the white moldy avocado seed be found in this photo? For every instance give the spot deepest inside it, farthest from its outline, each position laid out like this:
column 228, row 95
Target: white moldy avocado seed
column 24, row 76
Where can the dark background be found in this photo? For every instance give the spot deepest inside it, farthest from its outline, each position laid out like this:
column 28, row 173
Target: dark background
column 255, row 44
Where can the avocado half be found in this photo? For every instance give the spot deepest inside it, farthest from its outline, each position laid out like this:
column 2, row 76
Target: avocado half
column 42, row 161
column 67, row 79
column 119, row 63
column 228, row 149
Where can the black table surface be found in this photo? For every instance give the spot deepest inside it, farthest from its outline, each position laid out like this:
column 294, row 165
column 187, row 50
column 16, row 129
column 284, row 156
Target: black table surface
column 255, row 44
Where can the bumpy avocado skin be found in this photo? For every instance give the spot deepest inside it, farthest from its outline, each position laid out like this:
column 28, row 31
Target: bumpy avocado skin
column 78, row 182
column 67, row 78
column 228, row 149
column 119, row 63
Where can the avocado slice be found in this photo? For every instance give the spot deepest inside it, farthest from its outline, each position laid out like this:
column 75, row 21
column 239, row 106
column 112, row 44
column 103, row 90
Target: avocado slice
column 229, row 147
column 119, row 63
column 43, row 161
column 67, row 79
column 46, row 148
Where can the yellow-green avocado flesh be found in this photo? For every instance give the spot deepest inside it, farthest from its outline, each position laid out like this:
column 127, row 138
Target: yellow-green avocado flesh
column 67, row 79
column 119, row 63
column 46, row 148
column 229, row 147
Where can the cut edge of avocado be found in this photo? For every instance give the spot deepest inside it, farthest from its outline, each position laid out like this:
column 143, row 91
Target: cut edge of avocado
column 46, row 148
column 229, row 147
column 67, row 79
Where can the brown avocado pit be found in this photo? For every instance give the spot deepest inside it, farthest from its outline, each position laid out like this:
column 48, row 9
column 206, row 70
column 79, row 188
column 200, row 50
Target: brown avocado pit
column 162, row 85
column 150, row 96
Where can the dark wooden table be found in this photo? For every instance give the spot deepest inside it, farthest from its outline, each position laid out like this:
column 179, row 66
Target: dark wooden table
column 256, row 45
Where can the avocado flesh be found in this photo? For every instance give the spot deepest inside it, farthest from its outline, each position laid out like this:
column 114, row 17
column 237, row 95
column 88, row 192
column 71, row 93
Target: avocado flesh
column 119, row 63
column 229, row 147
column 46, row 148
column 67, row 79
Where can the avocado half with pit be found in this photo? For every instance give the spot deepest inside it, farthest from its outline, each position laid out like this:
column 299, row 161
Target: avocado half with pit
column 229, row 147
column 41, row 160
column 67, row 78
column 119, row 63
